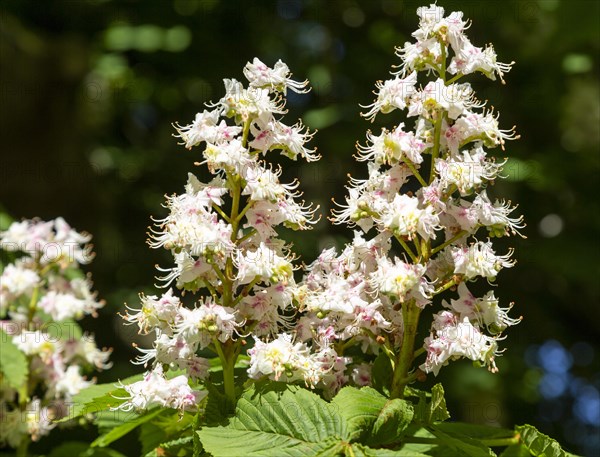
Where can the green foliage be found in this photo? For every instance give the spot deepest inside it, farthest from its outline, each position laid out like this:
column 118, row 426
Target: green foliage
column 13, row 363
column 284, row 420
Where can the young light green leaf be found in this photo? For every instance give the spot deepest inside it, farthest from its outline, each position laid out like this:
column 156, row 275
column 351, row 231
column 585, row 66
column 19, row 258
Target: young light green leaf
column 539, row 445
column 359, row 408
column 13, row 363
column 393, row 419
column 123, row 429
column 437, row 409
column 428, row 412
column 277, row 421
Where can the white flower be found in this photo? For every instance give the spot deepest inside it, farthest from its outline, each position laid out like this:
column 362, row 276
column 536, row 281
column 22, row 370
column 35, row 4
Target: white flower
column 156, row 390
column 264, row 262
column 276, row 78
column 230, row 156
column 483, row 310
column 37, row 342
column 38, row 419
column 18, row 280
column 469, row 59
column 263, row 184
column 393, row 147
column 401, row 280
column 161, row 313
column 479, row 259
column 453, row 338
column 206, row 322
column 276, row 357
column 455, row 99
column 70, row 382
column 392, row 94
column 468, row 171
column 248, row 104
column 404, row 218
column 289, row 139
column 49, row 242
column 206, row 127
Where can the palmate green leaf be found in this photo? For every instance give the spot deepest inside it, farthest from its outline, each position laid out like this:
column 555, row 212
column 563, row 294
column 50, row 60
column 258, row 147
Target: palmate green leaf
column 359, row 408
column 278, row 421
column 123, row 429
column 13, row 363
column 538, row 444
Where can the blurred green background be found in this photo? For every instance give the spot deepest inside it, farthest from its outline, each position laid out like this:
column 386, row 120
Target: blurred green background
column 90, row 88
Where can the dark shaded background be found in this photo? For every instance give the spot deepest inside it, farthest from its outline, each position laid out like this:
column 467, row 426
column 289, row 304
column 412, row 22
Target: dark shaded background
column 89, row 90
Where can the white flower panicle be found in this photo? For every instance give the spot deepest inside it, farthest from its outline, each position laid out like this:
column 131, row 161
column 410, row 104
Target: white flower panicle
column 426, row 197
column 223, row 238
column 42, row 293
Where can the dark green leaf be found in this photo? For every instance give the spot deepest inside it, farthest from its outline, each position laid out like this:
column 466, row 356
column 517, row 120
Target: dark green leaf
column 277, row 421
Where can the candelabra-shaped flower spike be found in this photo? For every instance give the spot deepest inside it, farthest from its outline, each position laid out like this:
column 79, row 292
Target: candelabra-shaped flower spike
column 223, row 237
column 426, row 197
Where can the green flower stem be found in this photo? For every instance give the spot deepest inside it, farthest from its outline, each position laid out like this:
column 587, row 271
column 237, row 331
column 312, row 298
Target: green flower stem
column 454, row 79
column 438, row 123
column 407, row 248
column 448, row 242
column 246, row 236
column 228, row 356
column 446, row 286
column 410, row 315
column 415, row 172
column 437, row 132
column 220, row 211
column 22, row 450
column 212, row 290
column 245, row 291
column 229, row 351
